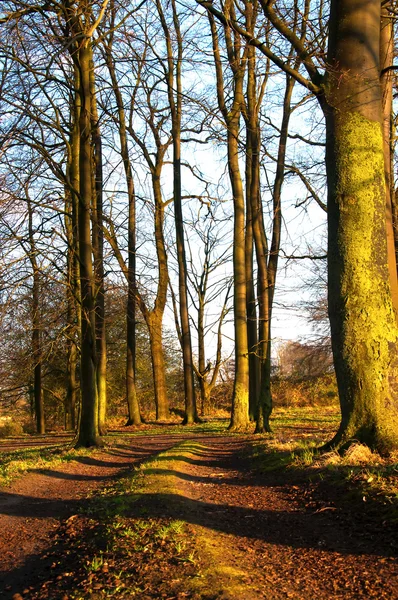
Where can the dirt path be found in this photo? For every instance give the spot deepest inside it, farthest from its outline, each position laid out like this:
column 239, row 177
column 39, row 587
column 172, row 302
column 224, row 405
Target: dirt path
column 271, row 536
column 32, row 508
column 278, row 537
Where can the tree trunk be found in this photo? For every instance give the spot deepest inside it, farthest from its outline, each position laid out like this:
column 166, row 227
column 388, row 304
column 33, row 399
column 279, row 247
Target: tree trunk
column 36, row 328
column 98, row 251
column 237, row 62
column 70, row 400
column 158, row 367
column 386, row 80
column 240, row 399
column 134, row 414
column 174, row 89
column 363, row 325
column 88, row 430
column 251, row 311
column 37, row 357
column 73, row 266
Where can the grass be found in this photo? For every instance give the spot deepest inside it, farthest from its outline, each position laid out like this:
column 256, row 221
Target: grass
column 359, row 473
column 288, row 425
column 15, row 463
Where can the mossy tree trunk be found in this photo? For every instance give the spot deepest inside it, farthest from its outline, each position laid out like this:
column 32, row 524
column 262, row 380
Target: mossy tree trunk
column 363, row 325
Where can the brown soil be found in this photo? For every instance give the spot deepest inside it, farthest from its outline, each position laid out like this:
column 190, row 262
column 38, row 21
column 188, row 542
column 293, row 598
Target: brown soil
column 287, row 536
column 278, row 535
column 34, row 506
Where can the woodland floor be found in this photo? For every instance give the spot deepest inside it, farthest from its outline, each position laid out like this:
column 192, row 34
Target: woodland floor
column 276, row 534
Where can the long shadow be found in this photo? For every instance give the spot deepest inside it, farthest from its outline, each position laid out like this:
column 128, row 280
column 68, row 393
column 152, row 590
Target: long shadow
column 295, row 529
column 290, row 529
column 300, row 530
column 73, row 476
column 96, row 462
column 286, row 528
column 239, row 481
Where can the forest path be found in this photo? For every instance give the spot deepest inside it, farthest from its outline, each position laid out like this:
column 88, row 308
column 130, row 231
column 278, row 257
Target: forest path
column 275, row 535
column 33, row 506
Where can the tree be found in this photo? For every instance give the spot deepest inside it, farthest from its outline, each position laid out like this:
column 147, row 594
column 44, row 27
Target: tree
column 237, row 59
column 363, row 325
column 153, row 144
column 173, row 77
column 205, row 292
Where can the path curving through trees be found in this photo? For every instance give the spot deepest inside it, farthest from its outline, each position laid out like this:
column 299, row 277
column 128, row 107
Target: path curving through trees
column 275, row 535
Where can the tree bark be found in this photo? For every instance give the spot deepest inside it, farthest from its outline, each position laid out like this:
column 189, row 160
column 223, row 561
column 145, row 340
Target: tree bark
column 363, row 325
column 134, row 414
column 386, row 81
column 36, row 329
column 158, row 367
column 237, row 61
column 251, row 310
column 174, row 90
column 73, row 266
column 98, row 251
column 88, row 430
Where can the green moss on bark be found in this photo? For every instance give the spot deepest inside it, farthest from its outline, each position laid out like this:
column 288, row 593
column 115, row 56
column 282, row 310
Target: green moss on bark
column 369, row 335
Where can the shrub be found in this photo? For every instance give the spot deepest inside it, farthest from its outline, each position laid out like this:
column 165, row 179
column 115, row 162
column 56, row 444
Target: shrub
column 312, row 391
column 10, row 428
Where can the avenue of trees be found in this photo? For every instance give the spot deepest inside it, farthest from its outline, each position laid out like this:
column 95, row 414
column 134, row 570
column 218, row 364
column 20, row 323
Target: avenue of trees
column 149, row 152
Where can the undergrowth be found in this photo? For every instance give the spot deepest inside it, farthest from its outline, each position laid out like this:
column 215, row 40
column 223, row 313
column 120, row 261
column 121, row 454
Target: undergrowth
column 359, row 473
column 17, row 462
column 119, row 546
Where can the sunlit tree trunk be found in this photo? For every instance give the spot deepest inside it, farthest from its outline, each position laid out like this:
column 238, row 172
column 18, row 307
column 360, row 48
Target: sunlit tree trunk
column 363, row 325
column 386, row 80
column 158, row 366
column 134, row 415
column 237, row 62
column 98, row 251
column 174, row 89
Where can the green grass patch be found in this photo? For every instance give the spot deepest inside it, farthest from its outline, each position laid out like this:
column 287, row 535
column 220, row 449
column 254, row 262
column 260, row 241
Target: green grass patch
column 17, row 462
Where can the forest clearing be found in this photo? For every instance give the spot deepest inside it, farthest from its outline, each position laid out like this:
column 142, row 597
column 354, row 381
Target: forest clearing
column 198, row 513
